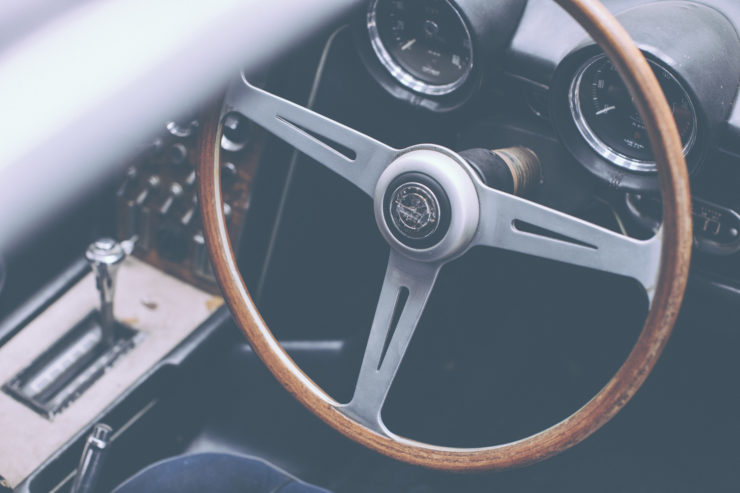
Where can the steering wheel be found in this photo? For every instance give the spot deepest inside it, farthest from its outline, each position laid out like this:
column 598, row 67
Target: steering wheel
column 452, row 211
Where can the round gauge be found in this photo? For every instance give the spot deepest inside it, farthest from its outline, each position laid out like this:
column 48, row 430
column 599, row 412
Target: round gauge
column 607, row 118
column 424, row 44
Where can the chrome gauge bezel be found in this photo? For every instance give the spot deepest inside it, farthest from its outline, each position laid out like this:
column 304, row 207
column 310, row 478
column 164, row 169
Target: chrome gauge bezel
column 602, row 148
column 402, row 75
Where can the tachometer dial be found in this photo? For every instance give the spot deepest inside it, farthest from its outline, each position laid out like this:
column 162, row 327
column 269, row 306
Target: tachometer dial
column 608, row 119
column 424, row 44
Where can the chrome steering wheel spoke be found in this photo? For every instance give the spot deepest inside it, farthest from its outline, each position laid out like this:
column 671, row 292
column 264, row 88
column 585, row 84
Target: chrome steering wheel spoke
column 516, row 224
column 406, row 289
column 350, row 154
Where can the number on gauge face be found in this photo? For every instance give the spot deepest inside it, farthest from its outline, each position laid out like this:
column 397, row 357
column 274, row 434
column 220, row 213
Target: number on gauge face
column 424, row 44
column 608, row 119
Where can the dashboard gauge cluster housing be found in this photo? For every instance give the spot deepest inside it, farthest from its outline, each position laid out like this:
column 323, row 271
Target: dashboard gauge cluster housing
column 681, row 41
column 426, row 46
column 434, row 54
column 604, row 114
column 596, row 149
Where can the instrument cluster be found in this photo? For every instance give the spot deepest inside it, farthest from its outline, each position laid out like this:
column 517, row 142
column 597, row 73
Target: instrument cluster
column 425, row 45
column 435, row 54
column 454, row 55
column 607, row 119
column 598, row 122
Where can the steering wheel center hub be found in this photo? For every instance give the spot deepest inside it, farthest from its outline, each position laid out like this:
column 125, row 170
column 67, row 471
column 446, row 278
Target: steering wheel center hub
column 416, row 210
column 426, row 205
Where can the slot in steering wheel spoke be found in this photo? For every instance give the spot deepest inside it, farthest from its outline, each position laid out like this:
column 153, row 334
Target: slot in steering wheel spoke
column 516, row 224
column 406, row 289
column 347, row 152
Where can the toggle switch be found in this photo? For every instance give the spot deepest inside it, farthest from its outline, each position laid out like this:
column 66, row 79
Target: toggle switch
column 229, row 173
column 153, row 183
column 176, row 192
column 235, row 132
column 187, row 218
column 128, row 182
column 182, row 129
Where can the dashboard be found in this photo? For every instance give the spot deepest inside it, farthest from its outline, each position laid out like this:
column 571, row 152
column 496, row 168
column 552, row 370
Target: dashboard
column 431, row 49
column 474, row 76
column 466, row 73
column 456, row 57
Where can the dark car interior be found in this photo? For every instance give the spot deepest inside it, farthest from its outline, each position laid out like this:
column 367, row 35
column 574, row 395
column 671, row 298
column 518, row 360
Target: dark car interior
column 114, row 332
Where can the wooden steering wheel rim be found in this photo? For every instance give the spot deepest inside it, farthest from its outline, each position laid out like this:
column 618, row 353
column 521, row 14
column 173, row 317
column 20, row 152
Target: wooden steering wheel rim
column 673, row 274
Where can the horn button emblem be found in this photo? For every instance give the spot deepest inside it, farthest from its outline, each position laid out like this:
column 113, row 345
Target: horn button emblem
column 417, row 210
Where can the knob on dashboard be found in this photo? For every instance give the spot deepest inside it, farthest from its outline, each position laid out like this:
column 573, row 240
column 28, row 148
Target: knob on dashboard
column 175, row 192
column 152, row 183
column 177, row 154
column 182, row 129
column 156, row 147
column 229, row 173
column 235, row 132
column 191, row 178
column 187, row 218
column 128, row 182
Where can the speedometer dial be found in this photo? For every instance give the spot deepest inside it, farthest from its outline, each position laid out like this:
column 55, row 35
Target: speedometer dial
column 608, row 119
column 424, row 44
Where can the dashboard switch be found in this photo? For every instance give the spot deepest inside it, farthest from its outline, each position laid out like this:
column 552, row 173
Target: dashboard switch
column 152, row 183
column 187, row 218
column 191, row 179
column 181, row 129
column 716, row 228
column 177, row 154
column 201, row 262
column 128, row 182
column 176, row 192
column 235, row 132
column 229, row 173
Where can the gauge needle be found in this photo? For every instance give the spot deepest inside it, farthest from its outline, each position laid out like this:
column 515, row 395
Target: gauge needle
column 606, row 110
column 408, row 44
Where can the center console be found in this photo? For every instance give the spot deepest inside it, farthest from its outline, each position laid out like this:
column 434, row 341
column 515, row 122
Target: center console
column 107, row 335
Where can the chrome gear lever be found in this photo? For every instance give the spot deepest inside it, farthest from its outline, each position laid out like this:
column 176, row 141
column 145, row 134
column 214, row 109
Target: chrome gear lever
column 60, row 374
column 105, row 257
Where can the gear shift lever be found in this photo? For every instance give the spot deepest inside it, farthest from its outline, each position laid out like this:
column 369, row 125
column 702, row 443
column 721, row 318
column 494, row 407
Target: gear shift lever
column 105, row 257
column 81, row 355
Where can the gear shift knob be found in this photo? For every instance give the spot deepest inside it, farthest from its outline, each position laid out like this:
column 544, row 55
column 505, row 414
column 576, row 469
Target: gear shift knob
column 105, row 257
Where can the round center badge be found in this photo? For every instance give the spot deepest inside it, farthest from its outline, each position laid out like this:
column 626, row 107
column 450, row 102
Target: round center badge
column 414, row 210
